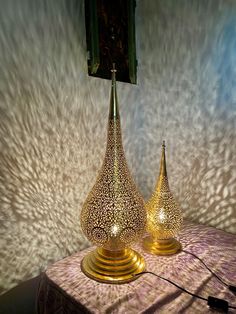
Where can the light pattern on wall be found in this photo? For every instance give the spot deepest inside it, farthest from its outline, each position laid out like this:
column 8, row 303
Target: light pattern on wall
column 53, row 120
column 189, row 99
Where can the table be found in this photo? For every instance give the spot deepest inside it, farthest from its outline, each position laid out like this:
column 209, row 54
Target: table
column 65, row 289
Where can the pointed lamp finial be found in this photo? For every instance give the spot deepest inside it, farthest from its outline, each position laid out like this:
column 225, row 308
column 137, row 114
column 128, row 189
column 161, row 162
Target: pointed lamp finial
column 163, row 171
column 114, row 108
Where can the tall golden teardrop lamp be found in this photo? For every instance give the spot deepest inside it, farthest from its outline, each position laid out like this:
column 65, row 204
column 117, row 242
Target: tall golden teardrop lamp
column 113, row 216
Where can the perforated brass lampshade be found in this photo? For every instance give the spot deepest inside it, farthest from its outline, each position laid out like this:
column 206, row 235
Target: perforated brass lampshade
column 113, row 215
column 164, row 216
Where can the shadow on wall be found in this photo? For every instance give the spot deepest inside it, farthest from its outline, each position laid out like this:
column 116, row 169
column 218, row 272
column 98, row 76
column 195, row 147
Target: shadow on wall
column 46, row 167
column 189, row 100
column 53, row 121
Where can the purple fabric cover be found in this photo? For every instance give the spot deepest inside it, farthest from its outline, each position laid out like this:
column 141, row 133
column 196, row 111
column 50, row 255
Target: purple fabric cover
column 65, row 289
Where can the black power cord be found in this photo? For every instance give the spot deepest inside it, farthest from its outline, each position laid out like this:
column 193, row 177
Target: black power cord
column 212, row 302
column 230, row 287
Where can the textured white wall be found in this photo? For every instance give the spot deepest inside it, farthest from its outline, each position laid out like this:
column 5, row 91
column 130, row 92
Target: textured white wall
column 53, row 120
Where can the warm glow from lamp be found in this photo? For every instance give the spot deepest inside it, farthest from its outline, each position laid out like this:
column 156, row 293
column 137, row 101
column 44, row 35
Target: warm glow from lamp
column 113, row 216
column 164, row 216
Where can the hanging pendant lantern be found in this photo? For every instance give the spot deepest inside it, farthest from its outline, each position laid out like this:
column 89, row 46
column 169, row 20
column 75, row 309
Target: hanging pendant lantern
column 164, row 216
column 113, row 215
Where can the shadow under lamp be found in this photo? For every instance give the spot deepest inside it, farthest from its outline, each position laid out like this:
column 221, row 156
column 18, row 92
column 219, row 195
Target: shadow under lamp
column 113, row 215
column 164, row 216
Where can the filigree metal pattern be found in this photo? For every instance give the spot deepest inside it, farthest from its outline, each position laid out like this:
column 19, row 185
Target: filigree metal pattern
column 164, row 213
column 114, row 215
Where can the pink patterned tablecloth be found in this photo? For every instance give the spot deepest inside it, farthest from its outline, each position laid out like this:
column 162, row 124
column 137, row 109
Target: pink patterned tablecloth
column 65, row 289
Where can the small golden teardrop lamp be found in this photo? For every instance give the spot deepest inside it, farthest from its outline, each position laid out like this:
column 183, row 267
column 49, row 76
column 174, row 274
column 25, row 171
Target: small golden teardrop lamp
column 164, row 216
column 113, row 216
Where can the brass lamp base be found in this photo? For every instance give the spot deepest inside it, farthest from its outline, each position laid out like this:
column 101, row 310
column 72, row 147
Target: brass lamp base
column 113, row 266
column 162, row 246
